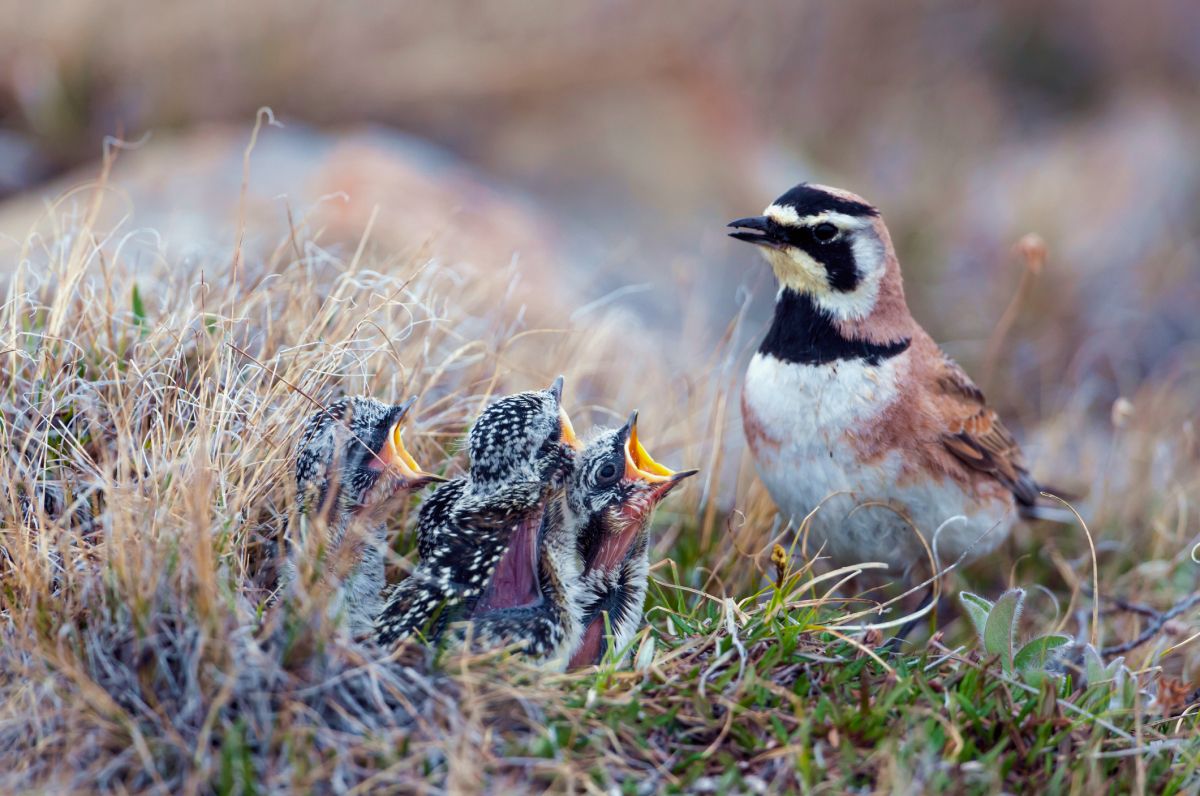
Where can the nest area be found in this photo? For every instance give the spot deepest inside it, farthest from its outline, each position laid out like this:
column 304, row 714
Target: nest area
column 148, row 410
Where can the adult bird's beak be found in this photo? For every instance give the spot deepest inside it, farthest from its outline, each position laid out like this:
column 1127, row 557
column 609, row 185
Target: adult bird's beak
column 641, row 466
column 759, row 233
column 395, row 455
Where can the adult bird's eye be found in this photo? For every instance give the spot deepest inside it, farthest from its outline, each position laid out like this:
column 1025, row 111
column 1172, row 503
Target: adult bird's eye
column 825, row 232
column 608, row 473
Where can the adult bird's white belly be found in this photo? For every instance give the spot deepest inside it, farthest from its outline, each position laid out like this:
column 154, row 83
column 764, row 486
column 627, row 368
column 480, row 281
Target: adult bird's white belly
column 798, row 420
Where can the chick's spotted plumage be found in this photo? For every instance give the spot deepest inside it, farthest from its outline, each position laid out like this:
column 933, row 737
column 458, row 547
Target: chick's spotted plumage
column 350, row 464
column 611, row 498
column 849, row 403
column 477, row 535
column 346, row 435
column 593, row 558
column 545, row 629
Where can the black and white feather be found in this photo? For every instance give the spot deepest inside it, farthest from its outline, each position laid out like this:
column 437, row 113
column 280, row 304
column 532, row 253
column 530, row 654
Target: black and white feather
column 343, row 494
column 517, row 459
column 546, row 630
column 611, row 503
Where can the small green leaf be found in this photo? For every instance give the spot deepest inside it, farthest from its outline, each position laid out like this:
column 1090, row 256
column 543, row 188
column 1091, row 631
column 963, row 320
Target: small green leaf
column 1093, row 666
column 1038, row 652
column 139, row 307
column 1034, row 676
column 1126, row 691
column 645, row 654
column 1097, row 670
column 977, row 609
column 1001, row 626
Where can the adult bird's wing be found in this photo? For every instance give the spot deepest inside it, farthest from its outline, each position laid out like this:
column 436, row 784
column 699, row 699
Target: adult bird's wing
column 975, row 435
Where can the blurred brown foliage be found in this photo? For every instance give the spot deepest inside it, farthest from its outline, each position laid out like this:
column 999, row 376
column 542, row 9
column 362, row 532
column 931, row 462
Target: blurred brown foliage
column 636, row 130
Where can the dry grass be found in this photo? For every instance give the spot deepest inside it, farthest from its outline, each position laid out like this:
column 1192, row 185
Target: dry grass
column 155, row 404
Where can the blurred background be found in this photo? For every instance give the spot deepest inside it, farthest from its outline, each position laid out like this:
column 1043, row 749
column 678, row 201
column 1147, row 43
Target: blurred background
column 603, row 146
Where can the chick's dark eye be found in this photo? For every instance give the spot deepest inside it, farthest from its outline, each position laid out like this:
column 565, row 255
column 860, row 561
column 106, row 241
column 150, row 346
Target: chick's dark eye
column 825, row 232
column 608, row 473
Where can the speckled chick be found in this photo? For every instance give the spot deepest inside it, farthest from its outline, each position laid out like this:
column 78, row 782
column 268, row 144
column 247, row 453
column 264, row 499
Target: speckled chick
column 614, row 490
column 476, row 535
column 592, row 558
column 351, row 467
column 543, row 624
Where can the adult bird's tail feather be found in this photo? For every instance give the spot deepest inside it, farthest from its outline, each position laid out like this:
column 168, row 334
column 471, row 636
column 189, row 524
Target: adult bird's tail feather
column 1050, row 510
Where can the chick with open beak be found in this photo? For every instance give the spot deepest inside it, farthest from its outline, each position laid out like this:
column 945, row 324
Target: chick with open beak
column 542, row 627
column 477, row 536
column 611, row 499
column 352, row 468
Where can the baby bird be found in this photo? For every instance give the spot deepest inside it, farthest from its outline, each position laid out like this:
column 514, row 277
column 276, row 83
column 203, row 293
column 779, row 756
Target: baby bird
column 546, row 626
column 849, row 404
column 599, row 524
column 477, row 536
column 611, row 499
column 351, row 464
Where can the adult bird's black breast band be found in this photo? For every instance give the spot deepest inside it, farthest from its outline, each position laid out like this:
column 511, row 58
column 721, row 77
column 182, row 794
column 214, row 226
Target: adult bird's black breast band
column 804, row 334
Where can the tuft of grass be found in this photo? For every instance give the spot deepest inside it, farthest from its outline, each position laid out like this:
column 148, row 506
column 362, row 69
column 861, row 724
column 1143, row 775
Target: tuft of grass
column 147, row 414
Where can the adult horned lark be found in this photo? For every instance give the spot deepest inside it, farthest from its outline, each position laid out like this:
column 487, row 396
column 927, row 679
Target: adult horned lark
column 853, row 413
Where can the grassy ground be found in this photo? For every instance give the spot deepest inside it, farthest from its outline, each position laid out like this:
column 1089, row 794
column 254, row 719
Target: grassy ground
column 147, row 412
